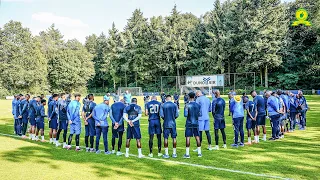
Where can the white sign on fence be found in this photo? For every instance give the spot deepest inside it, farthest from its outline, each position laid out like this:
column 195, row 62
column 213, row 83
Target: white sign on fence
column 205, row 81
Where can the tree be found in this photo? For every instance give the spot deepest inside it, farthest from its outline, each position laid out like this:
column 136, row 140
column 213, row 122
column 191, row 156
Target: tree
column 69, row 64
column 266, row 26
column 198, row 61
column 113, row 55
column 23, row 66
column 51, row 46
column 178, row 28
column 137, row 32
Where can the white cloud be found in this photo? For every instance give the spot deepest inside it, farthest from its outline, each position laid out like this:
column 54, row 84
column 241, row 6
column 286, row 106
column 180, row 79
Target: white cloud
column 25, row 1
column 50, row 18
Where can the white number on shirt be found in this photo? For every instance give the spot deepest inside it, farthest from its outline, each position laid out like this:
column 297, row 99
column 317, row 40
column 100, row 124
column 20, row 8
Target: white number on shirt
column 154, row 108
column 252, row 107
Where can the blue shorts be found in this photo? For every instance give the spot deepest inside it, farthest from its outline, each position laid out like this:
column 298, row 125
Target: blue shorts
column 24, row 119
column 32, row 120
column 250, row 124
column 115, row 132
column 192, row 132
column 168, row 131
column 219, row 123
column 75, row 128
column 154, row 127
column 90, row 129
column 63, row 125
column 283, row 117
column 261, row 120
column 204, row 125
column 53, row 124
column 40, row 124
column 133, row 132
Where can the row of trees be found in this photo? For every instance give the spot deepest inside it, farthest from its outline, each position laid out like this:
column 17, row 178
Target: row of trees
column 236, row 36
column 42, row 63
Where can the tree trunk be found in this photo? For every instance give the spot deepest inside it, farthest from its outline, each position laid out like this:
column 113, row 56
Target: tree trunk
column 178, row 78
column 266, row 76
column 229, row 68
column 103, row 84
column 125, row 74
column 136, row 80
column 261, row 78
column 114, row 85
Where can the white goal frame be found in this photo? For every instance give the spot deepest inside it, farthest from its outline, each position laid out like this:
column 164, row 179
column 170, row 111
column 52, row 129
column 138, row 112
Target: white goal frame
column 135, row 91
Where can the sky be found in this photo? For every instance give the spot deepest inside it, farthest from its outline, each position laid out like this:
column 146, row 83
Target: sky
column 80, row 18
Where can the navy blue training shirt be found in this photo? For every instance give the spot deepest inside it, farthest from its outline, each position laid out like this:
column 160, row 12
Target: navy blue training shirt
column 251, row 106
column 153, row 108
column 169, row 112
column 218, row 107
column 116, row 113
column 192, row 111
column 261, row 105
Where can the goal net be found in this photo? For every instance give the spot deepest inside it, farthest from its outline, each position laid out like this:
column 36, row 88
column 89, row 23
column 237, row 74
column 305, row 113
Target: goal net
column 135, row 91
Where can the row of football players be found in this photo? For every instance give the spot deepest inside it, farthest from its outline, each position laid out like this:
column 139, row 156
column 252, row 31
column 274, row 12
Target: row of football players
column 61, row 113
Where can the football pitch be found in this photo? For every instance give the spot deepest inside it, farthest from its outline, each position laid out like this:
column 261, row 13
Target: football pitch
column 297, row 156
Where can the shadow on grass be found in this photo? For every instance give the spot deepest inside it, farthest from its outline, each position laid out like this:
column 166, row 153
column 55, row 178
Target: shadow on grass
column 297, row 156
column 110, row 166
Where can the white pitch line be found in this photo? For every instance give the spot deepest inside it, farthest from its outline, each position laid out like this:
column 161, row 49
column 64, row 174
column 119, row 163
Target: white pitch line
column 197, row 165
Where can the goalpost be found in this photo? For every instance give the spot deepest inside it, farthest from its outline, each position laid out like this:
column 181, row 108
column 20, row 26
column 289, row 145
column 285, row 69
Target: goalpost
column 135, row 91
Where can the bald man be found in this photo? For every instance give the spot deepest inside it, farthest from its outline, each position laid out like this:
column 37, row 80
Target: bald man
column 204, row 120
column 218, row 108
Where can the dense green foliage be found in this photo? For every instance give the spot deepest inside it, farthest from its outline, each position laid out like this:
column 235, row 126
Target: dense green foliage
column 235, row 36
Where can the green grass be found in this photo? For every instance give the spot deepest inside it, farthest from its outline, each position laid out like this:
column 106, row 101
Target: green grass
column 297, row 156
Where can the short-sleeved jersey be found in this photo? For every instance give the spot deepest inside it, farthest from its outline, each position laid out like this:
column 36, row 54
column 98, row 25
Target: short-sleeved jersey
column 88, row 107
column 50, row 99
column 100, row 114
column 62, row 107
column 176, row 97
column 192, row 111
column 169, row 112
column 273, row 106
column 14, row 102
column 293, row 104
column 133, row 110
column 205, row 106
column 40, row 113
column 186, row 98
column 117, row 111
column 153, row 108
column 261, row 105
column 251, row 106
column 302, row 103
column 17, row 109
column 32, row 107
column 286, row 102
column 53, row 110
column 127, row 98
column 24, row 108
column 218, row 107
column 163, row 97
column 74, row 111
